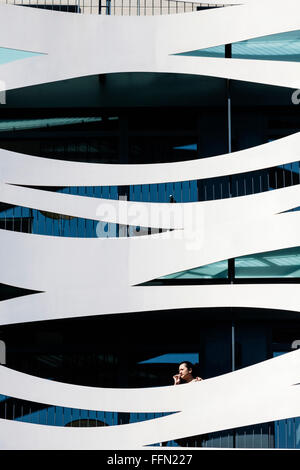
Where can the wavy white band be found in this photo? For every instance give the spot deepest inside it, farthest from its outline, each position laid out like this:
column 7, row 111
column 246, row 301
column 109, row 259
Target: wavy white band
column 147, row 48
column 51, row 263
column 248, row 396
column 71, row 304
column 159, row 215
column 23, row 169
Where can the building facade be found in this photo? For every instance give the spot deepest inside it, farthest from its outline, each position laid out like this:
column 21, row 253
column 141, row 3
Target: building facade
column 108, row 114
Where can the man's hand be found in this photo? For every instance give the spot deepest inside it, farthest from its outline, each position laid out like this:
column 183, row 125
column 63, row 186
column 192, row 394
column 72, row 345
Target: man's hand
column 176, row 379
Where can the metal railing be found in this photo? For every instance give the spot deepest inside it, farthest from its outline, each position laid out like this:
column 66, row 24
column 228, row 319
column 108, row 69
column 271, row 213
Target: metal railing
column 27, row 220
column 116, row 7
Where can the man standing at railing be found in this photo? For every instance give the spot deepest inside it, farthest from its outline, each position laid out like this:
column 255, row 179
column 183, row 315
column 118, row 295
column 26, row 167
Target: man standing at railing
column 185, row 374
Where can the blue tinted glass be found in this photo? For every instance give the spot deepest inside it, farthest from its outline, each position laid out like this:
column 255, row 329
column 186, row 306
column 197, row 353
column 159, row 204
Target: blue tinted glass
column 216, row 51
column 281, row 263
column 217, row 270
column 172, row 358
column 10, row 55
column 16, row 124
column 282, row 47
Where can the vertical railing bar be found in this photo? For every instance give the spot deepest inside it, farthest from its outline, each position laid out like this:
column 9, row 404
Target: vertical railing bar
column 13, row 219
column 77, row 219
column 52, row 219
column 260, row 184
column 85, row 220
column 38, row 216
column 21, row 219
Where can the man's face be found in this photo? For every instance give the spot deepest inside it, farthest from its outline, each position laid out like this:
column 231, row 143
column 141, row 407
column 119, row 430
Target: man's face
column 184, row 372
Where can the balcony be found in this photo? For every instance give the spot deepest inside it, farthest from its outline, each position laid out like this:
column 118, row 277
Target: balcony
column 282, row 434
column 116, row 7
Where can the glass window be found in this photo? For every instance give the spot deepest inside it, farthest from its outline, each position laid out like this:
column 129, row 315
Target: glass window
column 282, row 46
column 272, row 264
column 218, row 270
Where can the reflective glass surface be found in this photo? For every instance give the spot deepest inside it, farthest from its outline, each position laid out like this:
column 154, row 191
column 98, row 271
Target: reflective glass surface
column 283, row 46
column 10, row 55
column 272, row 264
column 17, row 124
column 217, row 270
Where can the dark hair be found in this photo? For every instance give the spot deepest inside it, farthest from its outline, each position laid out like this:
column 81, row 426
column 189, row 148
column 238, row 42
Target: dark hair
column 195, row 367
column 188, row 364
